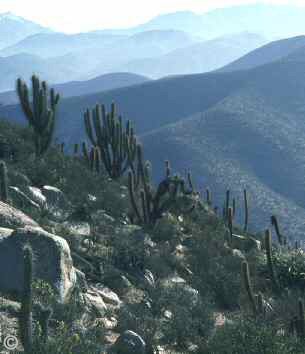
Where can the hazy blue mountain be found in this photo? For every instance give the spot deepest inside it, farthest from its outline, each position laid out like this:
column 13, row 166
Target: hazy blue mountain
column 150, row 44
column 199, row 57
column 50, row 45
column 269, row 20
column 14, row 28
column 89, row 55
column 24, row 65
column 78, row 88
column 270, row 52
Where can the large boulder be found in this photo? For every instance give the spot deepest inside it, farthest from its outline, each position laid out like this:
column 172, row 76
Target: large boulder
column 52, row 261
column 13, row 218
column 129, row 343
column 21, row 200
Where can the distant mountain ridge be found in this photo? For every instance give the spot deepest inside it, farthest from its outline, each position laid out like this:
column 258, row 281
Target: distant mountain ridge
column 78, row 88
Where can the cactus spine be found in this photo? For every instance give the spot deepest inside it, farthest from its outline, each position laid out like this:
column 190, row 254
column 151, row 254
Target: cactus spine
column 3, row 182
column 268, row 246
column 247, row 282
column 25, row 318
column 117, row 145
column 246, row 211
column 40, row 113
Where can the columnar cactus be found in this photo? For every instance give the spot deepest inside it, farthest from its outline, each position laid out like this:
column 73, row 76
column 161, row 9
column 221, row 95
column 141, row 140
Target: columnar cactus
column 209, row 197
column 230, row 223
column 268, row 246
column 40, row 112
column 274, row 223
column 117, row 145
column 3, row 182
column 44, row 318
column 227, row 205
column 247, row 282
column 25, row 318
column 298, row 322
column 246, row 211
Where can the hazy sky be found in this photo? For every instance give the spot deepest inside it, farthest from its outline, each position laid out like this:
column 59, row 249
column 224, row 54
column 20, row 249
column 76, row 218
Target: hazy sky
column 84, row 15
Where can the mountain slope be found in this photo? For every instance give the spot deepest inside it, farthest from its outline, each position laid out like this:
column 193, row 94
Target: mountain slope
column 199, row 57
column 268, row 53
column 253, row 139
column 79, row 88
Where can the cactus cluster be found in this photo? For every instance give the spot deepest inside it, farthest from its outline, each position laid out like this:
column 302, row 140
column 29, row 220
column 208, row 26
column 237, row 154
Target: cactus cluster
column 117, row 145
column 40, row 112
column 152, row 203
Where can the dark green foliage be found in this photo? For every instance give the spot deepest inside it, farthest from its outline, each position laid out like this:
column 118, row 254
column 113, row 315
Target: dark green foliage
column 25, row 317
column 252, row 336
column 40, row 112
column 3, row 182
column 117, row 145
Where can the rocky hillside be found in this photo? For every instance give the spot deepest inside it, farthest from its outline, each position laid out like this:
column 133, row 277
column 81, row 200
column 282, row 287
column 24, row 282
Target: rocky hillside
column 97, row 259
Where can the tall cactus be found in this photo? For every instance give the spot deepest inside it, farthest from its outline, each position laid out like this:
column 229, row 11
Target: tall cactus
column 280, row 237
column 301, row 320
column 40, row 112
column 117, row 145
column 268, row 246
column 3, row 182
column 44, row 317
column 247, row 282
column 246, row 211
column 25, row 318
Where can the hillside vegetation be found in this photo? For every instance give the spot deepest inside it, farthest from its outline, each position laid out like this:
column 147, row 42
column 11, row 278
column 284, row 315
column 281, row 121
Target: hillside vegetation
column 105, row 261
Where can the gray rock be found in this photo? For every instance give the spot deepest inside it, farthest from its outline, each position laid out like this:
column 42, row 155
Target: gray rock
column 21, row 200
column 13, row 218
column 129, row 343
column 55, row 197
column 52, row 261
column 109, row 297
column 36, row 195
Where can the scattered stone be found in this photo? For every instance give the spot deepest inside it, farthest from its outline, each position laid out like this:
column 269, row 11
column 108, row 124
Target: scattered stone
column 109, row 297
column 96, row 302
column 52, row 261
column 129, row 343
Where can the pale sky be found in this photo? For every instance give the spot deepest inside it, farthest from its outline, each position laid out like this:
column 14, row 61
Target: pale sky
column 84, row 15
